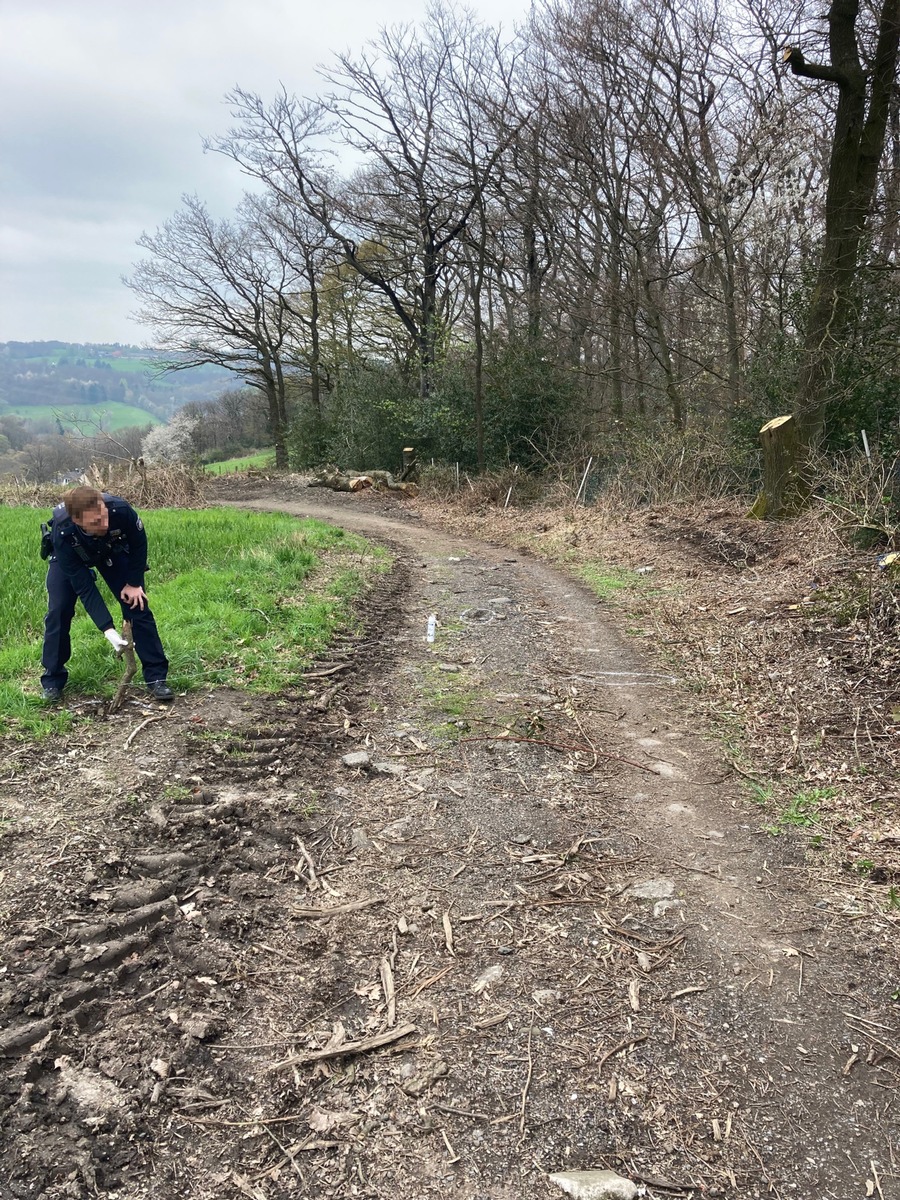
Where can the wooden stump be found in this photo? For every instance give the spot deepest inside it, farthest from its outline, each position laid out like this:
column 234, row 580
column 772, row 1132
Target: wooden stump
column 783, row 491
column 410, row 470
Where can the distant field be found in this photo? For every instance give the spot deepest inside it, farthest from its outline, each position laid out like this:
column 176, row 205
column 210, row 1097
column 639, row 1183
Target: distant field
column 111, row 416
column 125, row 365
column 262, row 459
column 130, row 366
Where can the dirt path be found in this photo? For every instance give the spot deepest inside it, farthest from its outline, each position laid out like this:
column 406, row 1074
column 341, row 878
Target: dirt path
column 551, row 897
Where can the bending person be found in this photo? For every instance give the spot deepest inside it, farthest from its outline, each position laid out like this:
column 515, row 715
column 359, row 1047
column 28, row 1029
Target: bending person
column 94, row 532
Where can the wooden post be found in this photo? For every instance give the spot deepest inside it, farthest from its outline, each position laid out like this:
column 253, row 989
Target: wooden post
column 782, row 491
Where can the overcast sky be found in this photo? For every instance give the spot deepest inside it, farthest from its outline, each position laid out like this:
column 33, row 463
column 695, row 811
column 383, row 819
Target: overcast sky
column 103, row 107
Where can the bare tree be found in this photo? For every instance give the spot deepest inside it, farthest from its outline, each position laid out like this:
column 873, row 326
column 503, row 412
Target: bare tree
column 220, row 292
column 398, row 220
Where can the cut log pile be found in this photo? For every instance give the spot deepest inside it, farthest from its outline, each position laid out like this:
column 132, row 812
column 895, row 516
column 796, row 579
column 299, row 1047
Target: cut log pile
column 356, row 481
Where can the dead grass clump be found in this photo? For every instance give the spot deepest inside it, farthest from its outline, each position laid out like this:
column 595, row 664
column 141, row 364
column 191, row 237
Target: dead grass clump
column 698, row 466
column 173, row 486
column 507, row 488
column 641, row 471
column 862, row 492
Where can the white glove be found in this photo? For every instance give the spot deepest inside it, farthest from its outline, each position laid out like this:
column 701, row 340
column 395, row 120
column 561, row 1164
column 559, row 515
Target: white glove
column 116, row 640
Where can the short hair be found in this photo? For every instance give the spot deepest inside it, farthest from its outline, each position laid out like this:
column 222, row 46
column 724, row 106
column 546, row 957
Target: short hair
column 80, row 499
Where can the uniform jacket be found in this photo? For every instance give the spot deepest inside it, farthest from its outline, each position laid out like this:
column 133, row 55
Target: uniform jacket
column 76, row 552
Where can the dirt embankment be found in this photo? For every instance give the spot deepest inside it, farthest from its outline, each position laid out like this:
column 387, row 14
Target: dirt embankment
column 534, row 925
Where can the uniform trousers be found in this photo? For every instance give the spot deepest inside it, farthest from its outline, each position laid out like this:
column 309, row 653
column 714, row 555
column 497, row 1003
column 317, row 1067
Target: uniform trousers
column 62, row 599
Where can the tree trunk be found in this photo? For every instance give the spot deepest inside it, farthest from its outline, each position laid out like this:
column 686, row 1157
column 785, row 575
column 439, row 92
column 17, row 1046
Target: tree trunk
column 856, row 150
column 782, row 492
column 315, row 357
column 277, row 421
column 410, row 468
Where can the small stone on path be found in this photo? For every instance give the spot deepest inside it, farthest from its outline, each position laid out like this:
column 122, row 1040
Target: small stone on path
column 357, row 758
column 359, row 839
column 388, row 768
column 652, row 889
column 595, row 1185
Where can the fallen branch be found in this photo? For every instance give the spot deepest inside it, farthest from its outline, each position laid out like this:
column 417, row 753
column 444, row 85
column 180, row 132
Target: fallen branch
column 307, row 858
column 361, row 1047
column 350, row 906
column 324, row 674
column 357, row 481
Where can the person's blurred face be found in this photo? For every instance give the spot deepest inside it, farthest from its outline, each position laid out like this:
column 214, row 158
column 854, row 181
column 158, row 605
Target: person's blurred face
column 94, row 521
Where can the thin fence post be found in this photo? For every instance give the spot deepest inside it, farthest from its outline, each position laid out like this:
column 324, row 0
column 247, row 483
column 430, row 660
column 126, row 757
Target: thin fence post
column 584, row 478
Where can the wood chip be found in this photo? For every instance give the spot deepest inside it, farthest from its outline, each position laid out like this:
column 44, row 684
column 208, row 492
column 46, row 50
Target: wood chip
column 448, row 933
column 387, row 985
column 489, row 1022
column 420, row 987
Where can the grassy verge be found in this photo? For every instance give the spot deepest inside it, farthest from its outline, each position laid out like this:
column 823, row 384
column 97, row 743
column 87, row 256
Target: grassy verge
column 262, row 460
column 241, row 599
column 606, row 580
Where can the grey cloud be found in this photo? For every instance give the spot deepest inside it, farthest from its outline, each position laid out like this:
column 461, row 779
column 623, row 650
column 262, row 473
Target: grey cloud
column 103, row 107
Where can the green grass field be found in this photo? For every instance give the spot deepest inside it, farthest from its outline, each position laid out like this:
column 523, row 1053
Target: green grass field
column 241, row 599
column 131, row 366
column 111, row 416
column 128, row 366
column 262, row 459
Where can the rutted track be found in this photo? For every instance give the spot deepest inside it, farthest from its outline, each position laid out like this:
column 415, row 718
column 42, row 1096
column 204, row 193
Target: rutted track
column 115, row 974
column 483, row 877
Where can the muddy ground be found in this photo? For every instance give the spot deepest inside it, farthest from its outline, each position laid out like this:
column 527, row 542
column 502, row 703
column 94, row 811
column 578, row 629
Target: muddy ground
column 535, row 926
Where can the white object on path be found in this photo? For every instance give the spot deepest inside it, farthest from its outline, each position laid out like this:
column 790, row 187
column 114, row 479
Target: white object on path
column 595, row 1185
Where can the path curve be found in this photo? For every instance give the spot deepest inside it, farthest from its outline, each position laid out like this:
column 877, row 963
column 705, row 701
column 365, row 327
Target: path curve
column 765, row 1059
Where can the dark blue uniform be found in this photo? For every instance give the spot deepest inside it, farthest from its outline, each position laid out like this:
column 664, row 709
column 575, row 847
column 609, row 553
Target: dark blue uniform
column 120, row 556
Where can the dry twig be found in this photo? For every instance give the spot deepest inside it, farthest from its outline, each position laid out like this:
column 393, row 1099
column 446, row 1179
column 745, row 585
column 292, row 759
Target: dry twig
column 347, row 1048
column 135, row 732
column 629, row 1044
column 527, row 1078
column 350, row 906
